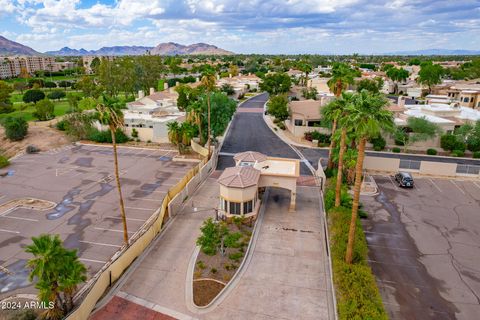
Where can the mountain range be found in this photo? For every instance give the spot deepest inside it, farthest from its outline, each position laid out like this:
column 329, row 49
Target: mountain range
column 436, row 52
column 9, row 47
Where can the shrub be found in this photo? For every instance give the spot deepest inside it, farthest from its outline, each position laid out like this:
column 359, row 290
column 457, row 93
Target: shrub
column 31, row 149
column 231, row 240
column 3, row 162
column 282, row 126
column 379, row 143
column 44, row 110
column 213, row 270
column 329, row 197
column 15, row 128
column 396, row 149
column 476, row 154
column 134, row 133
column 33, row 95
column 431, row 152
column 201, row 265
column 106, row 137
column 61, row 125
column 235, row 256
column 450, row 142
column 56, row 95
column 457, row 153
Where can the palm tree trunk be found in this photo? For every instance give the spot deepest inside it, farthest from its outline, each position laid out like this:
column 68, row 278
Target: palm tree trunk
column 199, row 123
column 209, row 140
column 338, row 187
column 119, row 188
column 356, row 200
column 338, row 88
column 332, row 145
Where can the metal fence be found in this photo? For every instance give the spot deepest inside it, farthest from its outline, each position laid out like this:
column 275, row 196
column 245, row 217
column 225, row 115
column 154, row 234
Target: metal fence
column 468, row 169
column 410, row 164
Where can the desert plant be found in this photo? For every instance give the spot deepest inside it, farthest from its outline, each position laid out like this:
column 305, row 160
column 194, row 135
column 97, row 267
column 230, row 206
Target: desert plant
column 431, row 152
column 396, row 149
column 3, row 161
column 31, row 149
column 16, row 128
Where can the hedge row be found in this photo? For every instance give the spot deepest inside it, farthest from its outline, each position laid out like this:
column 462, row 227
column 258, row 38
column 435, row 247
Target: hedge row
column 356, row 290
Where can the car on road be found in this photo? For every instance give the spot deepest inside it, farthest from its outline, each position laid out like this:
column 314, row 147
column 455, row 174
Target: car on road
column 404, row 179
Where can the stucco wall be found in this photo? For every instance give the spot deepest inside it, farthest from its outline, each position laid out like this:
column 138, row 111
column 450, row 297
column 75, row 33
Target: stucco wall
column 289, row 183
column 438, row 168
column 238, row 194
column 144, row 134
column 381, row 164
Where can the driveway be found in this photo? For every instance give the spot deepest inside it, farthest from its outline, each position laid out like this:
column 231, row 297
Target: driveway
column 424, row 247
column 287, row 277
column 248, row 132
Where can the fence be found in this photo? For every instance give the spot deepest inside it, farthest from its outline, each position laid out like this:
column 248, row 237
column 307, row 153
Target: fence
column 96, row 287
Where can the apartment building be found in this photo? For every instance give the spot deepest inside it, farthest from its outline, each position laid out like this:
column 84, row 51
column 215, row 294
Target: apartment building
column 466, row 93
column 11, row 67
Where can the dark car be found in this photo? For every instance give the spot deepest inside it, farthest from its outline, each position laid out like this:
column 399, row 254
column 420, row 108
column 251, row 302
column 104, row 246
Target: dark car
column 404, row 179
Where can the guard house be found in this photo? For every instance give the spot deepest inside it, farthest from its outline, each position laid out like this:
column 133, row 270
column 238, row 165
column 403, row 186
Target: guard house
column 239, row 185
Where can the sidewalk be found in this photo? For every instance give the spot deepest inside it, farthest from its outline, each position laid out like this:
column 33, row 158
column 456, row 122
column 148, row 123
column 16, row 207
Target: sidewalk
column 287, row 136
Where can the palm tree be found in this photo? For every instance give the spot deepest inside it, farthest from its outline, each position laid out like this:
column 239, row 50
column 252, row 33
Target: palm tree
column 208, row 81
column 367, row 114
column 332, row 113
column 173, row 132
column 110, row 114
column 344, row 102
column 342, row 76
column 196, row 117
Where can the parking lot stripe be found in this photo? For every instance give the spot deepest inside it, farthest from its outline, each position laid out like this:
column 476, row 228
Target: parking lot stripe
column 19, row 218
column 120, row 218
column 456, row 185
column 478, row 186
column 113, row 230
column 396, row 188
column 435, row 185
column 391, row 248
column 101, row 244
column 148, row 199
column 9, row 231
column 91, row 260
column 135, row 208
column 386, row 234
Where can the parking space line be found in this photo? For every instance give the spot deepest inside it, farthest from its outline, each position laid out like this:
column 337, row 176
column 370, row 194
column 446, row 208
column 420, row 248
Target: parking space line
column 383, row 233
column 148, row 199
column 120, row 218
column 456, row 185
column 435, row 185
column 113, row 230
column 390, row 178
column 391, row 248
column 19, row 218
column 478, row 186
column 101, row 244
column 143, row 209
column 9, row 231
column 91, row 260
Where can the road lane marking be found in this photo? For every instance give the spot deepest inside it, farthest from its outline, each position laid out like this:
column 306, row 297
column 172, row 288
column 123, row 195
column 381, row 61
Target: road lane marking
column 19, row 218
column 101, row 244
column 435, row 185
column 113, row 230
column 120, row 218
column 143, row 209
column 9, row 231
column 91, row 260
column 390, row 178
column 457, row 186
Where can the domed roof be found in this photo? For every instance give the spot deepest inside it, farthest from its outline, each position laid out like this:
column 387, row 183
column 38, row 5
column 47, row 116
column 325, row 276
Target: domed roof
column 239, row 177
column 250, row 156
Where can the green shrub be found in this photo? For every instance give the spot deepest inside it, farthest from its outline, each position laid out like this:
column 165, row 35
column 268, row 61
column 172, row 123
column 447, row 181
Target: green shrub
column 3, row 162
column 396, row 149
column 231, row 240
column 457, row 153
column 476, row 154
column 61, row 125
column 379, row 143
column 431, row 152
column 282, row 126
column 329, row 198
column 15, row 128
column 44, row 110
column 33, row 95
column 235, row 256
column 201, row 265
column 451, row 142
column 106, row 137
column 213, row 270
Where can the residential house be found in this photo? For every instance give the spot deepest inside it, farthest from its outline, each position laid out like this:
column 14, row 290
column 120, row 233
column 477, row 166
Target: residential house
column 304, row 117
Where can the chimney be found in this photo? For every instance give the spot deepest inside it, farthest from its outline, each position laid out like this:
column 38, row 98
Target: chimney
column 230, row 75
column 152, row 91
column 177, row 84
column 165, row 86
column 140, row 94
column 401, row 101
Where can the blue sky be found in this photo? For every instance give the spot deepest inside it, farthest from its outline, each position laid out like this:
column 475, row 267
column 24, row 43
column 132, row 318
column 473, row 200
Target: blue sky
column 246, row 26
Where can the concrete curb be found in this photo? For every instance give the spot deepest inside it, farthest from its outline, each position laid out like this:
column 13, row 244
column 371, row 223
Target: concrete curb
column 236, row 277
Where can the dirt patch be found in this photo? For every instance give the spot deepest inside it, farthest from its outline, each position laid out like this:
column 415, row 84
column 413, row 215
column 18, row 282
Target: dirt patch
column 205, row 290
column 44, row 138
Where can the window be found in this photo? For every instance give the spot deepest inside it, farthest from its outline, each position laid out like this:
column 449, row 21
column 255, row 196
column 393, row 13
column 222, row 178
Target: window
column 313, row 123
column 246, row 163
column 235, row 208
column 151, row 127
column 471, row 99
column 465, row 99
column 247, row 207
column 298, row 122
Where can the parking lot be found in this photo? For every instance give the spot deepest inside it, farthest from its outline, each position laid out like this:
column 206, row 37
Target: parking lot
column 424, row 247
column 80, row 181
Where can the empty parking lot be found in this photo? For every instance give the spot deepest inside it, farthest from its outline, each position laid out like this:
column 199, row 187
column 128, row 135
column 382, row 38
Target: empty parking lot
column 80, row 182
column 424, row 247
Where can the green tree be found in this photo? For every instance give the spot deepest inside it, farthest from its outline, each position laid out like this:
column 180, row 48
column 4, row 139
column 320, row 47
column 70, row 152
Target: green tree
column 420, row 129
column 5, row 95
column 276, row 83
column 50, row 84
column 58, row 273
column 110, row 114
column 88, row 87
column 233, row 70
column 73, row 100
column 56, row 95
column 396, row 75
column 33, row 95
column 369, row 117
column 430, row 74
column 20, row 86
column 372, row 85
column 212, row 236
column 277, row 106
column 16, row 128
column 228, row 89
column 310, row 93
column 342, row 76
column 208, row 82
column 174, row 132
column 44, row 110
column 78, row 125
column 306, row 68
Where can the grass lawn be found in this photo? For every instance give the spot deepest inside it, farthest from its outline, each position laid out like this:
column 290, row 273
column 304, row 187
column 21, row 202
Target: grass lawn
column 61, row 108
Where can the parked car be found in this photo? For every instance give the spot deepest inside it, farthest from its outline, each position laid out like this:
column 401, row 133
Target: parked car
column 404, row 179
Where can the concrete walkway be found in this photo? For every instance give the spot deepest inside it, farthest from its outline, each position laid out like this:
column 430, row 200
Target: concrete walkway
column 287, row 277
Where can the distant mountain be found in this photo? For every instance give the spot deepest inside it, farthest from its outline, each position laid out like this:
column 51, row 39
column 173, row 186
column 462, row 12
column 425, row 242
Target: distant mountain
column 105, row 51
column 436, row 52
column 10, row 48
column 172, row 48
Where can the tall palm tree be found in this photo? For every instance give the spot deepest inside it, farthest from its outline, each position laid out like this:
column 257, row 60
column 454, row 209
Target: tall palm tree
column 173, row 132
column 332, row 113
column 208, row 81
column 110, row 114
column 342, row 76
column 196, row 117
column 344, row 102
column 369, row 117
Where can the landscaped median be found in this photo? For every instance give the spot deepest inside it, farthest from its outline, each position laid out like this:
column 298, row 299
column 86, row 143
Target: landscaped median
column 356, row 290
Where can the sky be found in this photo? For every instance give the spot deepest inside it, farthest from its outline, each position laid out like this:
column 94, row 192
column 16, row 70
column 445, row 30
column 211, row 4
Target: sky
column 246, row 26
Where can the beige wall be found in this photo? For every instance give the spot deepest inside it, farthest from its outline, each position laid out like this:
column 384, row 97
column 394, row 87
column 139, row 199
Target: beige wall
column 238, row 194
column 144, row 134
column 289, row 183
column 437, row 168
column 381, row 164
column 299, row 131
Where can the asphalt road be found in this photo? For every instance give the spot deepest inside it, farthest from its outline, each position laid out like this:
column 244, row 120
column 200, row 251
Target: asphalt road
column 423, row 247
column 248, row 132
